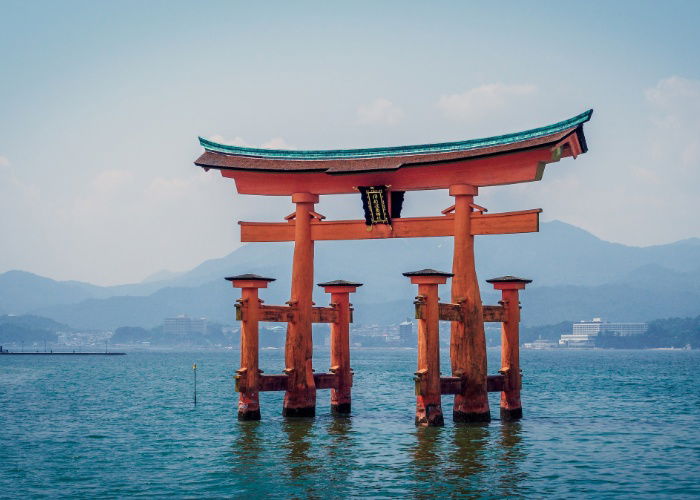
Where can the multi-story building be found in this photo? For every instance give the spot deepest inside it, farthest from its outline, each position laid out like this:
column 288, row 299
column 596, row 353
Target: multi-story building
column 406, row 335
column 577, row 340
column 183, row 325
column 585, row 333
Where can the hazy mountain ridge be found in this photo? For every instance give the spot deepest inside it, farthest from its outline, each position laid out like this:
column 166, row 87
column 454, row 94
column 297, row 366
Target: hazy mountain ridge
column 21, row 292
column 29, row 328
column 576, row 275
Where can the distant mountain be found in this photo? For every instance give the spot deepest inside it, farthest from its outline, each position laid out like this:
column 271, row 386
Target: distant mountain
column 562, row 254
column 33, row 322
column 29, row 329
column 161, row 275
column 576, row 276
column 617, row 302
column 212, row 300
column 21, row 292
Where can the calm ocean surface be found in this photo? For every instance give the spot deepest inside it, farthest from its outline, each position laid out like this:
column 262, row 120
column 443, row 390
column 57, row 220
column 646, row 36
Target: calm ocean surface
column 598, row 424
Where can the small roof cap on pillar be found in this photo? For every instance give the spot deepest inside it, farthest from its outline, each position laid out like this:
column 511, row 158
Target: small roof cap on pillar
column 340, row 283
column 428, row 272
column 508, row 279
column 249, row 277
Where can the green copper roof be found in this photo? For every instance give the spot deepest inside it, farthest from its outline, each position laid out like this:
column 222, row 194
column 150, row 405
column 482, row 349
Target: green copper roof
column 444, row 147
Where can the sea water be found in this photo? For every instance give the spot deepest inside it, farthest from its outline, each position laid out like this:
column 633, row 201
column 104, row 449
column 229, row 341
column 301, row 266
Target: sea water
column 597, row 424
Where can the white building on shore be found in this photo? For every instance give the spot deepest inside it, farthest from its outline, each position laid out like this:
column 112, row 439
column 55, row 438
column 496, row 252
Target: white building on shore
column 585, row 333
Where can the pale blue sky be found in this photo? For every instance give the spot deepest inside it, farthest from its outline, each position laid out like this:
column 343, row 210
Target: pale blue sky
column 101, row 104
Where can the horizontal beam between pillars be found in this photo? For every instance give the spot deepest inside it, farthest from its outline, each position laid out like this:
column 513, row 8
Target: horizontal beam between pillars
column 453, row 385
column 525, row 221
column 453, row 312
column 495, row 314
column 270, row 383
column 285, row 314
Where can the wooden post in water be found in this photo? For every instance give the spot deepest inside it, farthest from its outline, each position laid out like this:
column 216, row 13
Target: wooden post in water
column 467, row 338
column 511, row 407
column 340, row 291
column 428, row 400
column 300, row 397
column 248, row 376
column 194, row 371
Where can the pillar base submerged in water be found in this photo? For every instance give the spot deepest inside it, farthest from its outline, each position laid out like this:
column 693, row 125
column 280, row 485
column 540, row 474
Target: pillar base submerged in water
column 340, row 291
column 245, row 415
column 248, row 376
column 510, row 415
column 307, row 412
column 511, row 407
column 428, row 392
column 471, row 418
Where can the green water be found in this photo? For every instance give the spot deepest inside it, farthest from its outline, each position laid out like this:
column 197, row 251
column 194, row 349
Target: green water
column 598, row 424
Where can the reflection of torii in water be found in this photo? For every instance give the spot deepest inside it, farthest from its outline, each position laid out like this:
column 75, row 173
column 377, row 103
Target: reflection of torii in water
column 383, row 175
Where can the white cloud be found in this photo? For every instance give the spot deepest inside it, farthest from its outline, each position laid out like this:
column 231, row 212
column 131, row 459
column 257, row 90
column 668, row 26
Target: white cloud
column 274, row 143
column 236, row 141
column 111, row 180
column 109, row 192
column 381, row 111
column 674, row 139
column 13, row 190
column 168, row 189
column 478, row 102
column 277, row 143
column 675, row 94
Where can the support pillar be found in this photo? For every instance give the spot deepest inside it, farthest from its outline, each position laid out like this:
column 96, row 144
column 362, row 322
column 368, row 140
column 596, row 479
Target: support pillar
column 340, row 344
column 511, row 408
column 428, row 400
column 467, row 338
column 248, row 376
column 300, row 397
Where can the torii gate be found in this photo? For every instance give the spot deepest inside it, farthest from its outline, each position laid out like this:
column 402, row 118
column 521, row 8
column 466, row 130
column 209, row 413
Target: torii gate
column 382, row 175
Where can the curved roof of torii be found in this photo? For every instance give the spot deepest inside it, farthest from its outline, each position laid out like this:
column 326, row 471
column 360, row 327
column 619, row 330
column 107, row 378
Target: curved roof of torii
column 564, row 138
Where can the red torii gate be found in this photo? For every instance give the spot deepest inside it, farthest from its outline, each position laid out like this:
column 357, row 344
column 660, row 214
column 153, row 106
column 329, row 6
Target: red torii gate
column 462, row 168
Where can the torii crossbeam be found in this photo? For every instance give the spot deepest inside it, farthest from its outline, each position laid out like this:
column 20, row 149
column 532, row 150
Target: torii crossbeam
column 380, row 173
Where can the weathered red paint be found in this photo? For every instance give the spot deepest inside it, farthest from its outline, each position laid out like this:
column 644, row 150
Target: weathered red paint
column 508, row 168
column 341, row 400
column 467, row 339
column 300, row 398
column 455, row 385
column 428, row 400
column 511, row 407
column 249, row 373
column 273, row 383
column 524, row 221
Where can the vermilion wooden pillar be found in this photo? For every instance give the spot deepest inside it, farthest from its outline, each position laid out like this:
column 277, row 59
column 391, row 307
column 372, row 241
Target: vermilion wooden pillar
column 511, row 408
column 340, row 343
column 249, row 373
column 428, row 401
column 300, row 397
column 467, row 339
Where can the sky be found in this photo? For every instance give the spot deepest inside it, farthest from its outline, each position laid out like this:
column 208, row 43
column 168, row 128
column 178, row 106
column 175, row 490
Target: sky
column 101, row 104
